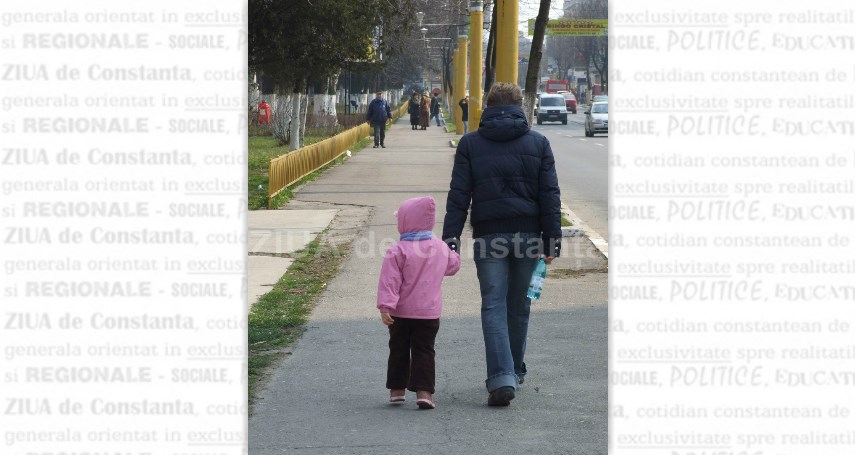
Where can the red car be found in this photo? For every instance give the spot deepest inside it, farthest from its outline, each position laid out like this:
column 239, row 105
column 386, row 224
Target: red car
column 570, row 100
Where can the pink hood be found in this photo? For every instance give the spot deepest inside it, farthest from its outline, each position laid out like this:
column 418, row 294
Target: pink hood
column 410, row 283
column 416, row 214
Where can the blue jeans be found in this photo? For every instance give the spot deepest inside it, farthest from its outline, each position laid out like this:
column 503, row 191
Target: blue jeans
column 465, row 126
column 505, row 263
column 437, row 119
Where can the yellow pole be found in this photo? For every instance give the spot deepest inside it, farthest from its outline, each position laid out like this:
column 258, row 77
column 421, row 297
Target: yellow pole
column 476, row 27
column 507, row 41
column 462, row 55
column 455, row 86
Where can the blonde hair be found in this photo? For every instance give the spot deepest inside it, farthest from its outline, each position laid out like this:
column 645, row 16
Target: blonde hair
column 502, row 93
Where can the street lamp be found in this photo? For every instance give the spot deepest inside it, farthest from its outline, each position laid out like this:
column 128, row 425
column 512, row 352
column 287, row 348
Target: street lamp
column 424, row 33
column 420, row 16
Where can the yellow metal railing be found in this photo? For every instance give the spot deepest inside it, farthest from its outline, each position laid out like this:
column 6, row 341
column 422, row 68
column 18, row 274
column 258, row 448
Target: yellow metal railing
column 288, row 169
column 402, row 110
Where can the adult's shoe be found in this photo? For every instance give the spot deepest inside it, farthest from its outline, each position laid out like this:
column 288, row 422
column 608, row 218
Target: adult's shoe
column 501, row 396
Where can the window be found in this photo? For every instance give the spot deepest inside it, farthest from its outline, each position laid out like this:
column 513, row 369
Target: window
column 600, row 109
column 552, row 101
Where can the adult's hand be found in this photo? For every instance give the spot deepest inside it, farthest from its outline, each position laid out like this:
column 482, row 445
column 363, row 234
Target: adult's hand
column 548, row 259
column 386, row 318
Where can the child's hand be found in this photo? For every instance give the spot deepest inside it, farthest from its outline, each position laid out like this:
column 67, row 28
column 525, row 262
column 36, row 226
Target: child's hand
column 386, row 318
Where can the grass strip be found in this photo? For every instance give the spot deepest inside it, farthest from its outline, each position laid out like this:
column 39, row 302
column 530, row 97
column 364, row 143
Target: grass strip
column 277, row 320
column 261, row 151
column 452, row 127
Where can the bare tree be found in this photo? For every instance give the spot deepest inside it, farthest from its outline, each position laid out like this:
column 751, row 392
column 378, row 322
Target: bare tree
column 593, row 50
column 490, row 59
column 531, row 77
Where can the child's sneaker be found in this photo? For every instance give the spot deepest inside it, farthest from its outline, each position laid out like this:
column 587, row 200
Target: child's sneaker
column 397, row 396
column 425, row 400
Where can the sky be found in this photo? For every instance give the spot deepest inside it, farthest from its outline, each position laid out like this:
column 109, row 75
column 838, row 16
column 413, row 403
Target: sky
column 528, row 10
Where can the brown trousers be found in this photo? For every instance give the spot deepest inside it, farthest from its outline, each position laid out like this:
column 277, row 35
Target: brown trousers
column 411, row 354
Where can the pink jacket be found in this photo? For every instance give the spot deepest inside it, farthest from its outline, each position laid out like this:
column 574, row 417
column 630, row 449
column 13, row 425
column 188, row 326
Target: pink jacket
column 411, row 276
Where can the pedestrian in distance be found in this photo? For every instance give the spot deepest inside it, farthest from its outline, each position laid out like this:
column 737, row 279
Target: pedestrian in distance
column 378, row 115
column 507, row 173
column 413, row 110
column 409, row 297
column 464, row 106
column 434, row 109
column 424, row 111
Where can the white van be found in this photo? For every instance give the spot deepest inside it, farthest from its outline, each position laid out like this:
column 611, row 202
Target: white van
column 551, row 107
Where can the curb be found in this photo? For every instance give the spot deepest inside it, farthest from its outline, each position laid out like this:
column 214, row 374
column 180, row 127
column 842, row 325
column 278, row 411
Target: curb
column 580, row 228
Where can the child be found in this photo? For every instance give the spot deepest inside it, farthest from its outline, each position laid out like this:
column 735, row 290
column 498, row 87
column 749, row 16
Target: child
column 409, row 298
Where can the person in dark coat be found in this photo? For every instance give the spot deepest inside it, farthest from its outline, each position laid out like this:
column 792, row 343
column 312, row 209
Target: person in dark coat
column 379, row 113
column 434, row 109
column 413, row 110
column 507, row 172
column 464, row 107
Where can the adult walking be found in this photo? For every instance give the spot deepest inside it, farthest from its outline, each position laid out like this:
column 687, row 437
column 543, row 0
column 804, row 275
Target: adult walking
column 379, row 113
column 424, row 111
column 434, row 108
column 464, row 106
column 507, row 172
column 413, row 110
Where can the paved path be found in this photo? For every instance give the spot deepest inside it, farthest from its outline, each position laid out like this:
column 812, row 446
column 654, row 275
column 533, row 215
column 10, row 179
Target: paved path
column 273, row 234
column 329, row 396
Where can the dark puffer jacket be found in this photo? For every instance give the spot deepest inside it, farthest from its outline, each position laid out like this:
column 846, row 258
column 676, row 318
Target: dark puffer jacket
column 508, row 174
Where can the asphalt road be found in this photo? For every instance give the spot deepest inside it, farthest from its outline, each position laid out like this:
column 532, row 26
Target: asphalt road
column 583, row 173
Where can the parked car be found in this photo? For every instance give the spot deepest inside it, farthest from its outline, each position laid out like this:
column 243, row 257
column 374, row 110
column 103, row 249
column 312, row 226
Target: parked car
column 597, row 119
column 551, row 107
column 569, row 100
column 601, row 98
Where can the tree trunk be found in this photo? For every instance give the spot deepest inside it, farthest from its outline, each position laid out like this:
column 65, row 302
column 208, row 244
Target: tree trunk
column 363, row 101
column 603, row 69
column 254, row 94
column 325, row 98
column 282, row 111
column 449, row 82
column 589, row 96
column 490, row 58
column 281, row 116
column 534, row 58
column 304, row 111
column 296, row 97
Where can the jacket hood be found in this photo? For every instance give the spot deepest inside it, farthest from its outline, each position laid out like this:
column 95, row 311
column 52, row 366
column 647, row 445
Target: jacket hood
column 503, row 123
column 417, row 214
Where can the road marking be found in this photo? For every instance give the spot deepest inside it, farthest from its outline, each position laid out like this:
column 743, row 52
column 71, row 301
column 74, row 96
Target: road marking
column 597, row 143
column 585, row 140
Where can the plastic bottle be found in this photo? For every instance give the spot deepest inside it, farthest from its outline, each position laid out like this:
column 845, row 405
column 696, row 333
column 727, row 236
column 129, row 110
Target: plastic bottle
column 536, row 285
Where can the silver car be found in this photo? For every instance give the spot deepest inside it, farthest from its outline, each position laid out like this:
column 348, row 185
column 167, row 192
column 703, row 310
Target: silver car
column 597, row 119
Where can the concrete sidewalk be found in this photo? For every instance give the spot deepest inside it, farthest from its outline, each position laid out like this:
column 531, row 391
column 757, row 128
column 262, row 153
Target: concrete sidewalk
column 329, row 396
column 273, row 235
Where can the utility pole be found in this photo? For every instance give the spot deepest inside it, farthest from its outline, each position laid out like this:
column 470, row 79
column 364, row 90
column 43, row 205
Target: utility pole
column 507, row 41
column 462, row 58
column 455, row 87
column 476, row 25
